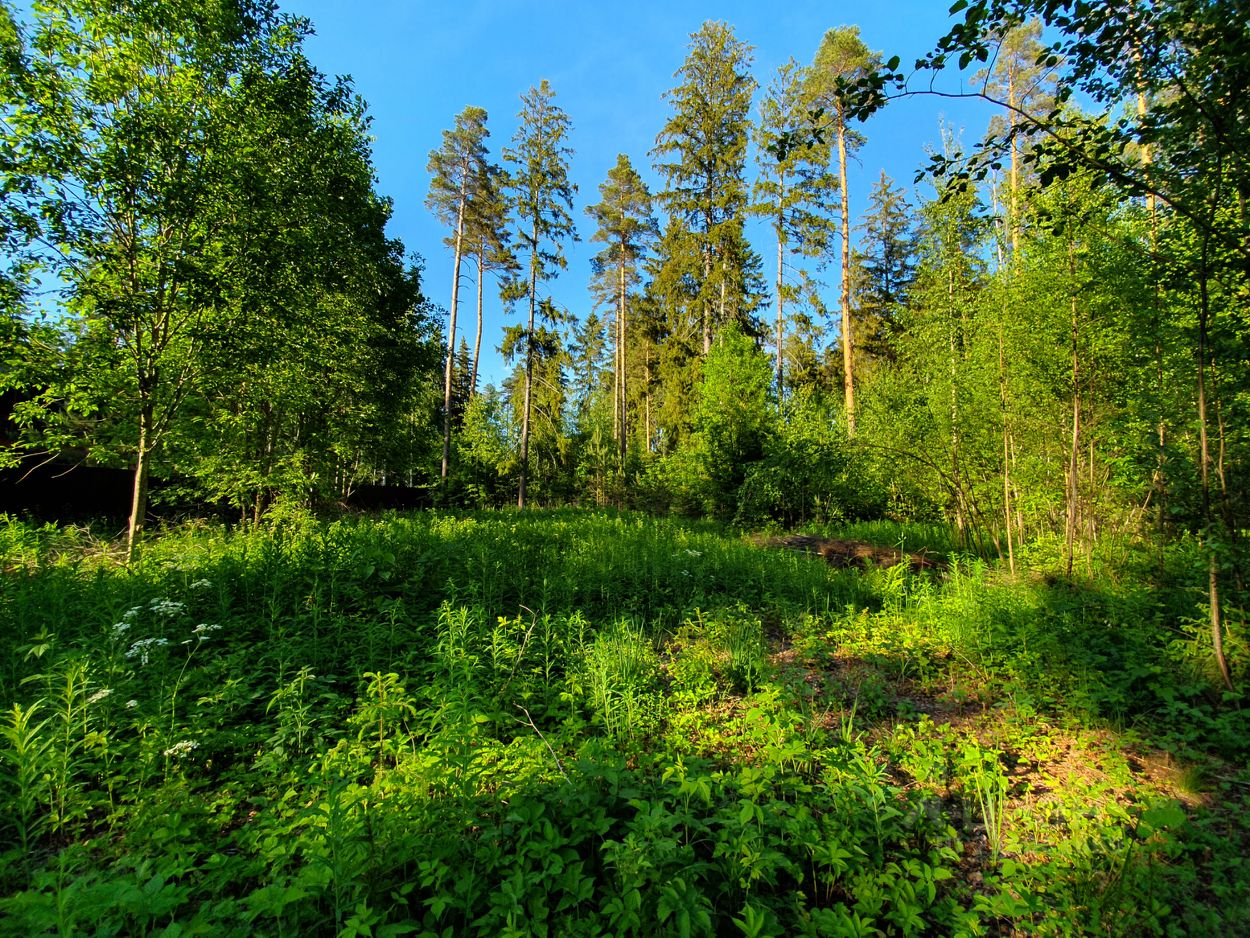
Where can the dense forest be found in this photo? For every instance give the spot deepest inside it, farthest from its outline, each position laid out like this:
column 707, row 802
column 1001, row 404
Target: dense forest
column 1033, row 368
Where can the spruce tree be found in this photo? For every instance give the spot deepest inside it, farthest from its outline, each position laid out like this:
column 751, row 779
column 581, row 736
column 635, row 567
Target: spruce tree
column 885, row 269
column 701, row 154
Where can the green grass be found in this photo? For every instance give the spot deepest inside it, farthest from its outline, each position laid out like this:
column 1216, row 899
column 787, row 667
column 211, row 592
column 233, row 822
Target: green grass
column 593, row 724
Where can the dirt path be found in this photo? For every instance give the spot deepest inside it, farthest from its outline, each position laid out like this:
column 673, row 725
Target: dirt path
column 843, row 554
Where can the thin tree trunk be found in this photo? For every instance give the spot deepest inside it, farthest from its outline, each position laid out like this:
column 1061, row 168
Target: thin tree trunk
column 848, row 354
column 1002, row 396
column 620, row 359
column 616, row 377
column 1014, row 205
column 1159, row 483
column 647, row 405
column 1074, row 452
column 781, row 243
column 451, row 323
column 707, row 303
column 723, row 291
column 139, row 499
column 529, row 373
column 1213, row 590
column 960, row 519
column 477, row 340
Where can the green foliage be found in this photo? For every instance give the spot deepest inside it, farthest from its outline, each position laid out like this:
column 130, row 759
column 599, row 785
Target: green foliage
column 206, row 197
column 595, row 724
column 701, row 152
column 732, row 418
column 808, row 471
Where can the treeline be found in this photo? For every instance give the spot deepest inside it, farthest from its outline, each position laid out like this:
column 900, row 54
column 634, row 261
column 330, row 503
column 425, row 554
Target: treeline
column 1052, row 343
column 1041, row 344
column 232, row 314
column 1051, row 340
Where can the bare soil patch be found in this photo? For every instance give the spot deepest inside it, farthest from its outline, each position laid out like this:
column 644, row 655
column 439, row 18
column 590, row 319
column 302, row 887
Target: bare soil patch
column 845, row 553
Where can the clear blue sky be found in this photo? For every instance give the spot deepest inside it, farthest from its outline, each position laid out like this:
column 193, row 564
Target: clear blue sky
column 420, row 63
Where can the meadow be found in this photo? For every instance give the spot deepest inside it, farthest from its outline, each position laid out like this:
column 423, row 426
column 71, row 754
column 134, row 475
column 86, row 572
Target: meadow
column 573, row 723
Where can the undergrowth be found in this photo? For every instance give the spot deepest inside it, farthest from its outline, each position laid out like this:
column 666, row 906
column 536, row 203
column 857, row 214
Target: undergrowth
column 590, row 724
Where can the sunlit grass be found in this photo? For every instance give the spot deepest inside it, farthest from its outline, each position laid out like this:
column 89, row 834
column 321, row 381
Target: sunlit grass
column 601, row 722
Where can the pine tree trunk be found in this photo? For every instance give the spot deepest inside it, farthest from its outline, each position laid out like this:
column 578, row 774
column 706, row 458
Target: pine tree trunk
column 529, row 372
column 848, row 353
column 1002, row 397
column 620, row 363
column 780, row 308
column 1074, row 450
column 1015, row 165
column 451, row 323
column 477, row 339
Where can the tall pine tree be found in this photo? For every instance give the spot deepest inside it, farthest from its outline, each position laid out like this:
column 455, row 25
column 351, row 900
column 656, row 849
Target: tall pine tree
column 626, row 228
column 842, row 58
column 543, row 196
column 454, row 168
column 795, row 189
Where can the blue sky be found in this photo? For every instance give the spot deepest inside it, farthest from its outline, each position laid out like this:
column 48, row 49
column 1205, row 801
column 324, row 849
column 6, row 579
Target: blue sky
column 420, row 63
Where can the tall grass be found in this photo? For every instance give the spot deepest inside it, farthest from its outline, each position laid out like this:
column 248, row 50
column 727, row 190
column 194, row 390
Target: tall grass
column 462, row 721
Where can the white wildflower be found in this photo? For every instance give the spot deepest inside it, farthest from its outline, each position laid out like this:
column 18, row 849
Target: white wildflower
column 202, row 584
column 132, row 613
column 131, row 704
column 204, row 630
column 142, row 649
column 167, row 607
column 99, row 695
column 181, row 748
column 120, row 629
column 694, row 553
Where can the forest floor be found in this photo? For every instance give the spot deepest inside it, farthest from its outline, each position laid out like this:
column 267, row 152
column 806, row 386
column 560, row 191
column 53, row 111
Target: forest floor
column 596, row 724
column 842, row 553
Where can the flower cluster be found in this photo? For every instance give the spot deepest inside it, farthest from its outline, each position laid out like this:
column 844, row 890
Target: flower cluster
column 204, row 630
column 167, row 607
column 99, row 695
column 142, row 649
column 127, row 620
column 202, row 584
column 181, row 748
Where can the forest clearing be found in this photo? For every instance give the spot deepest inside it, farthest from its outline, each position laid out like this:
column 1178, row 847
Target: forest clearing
column 633, row 475
column 571, row 723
